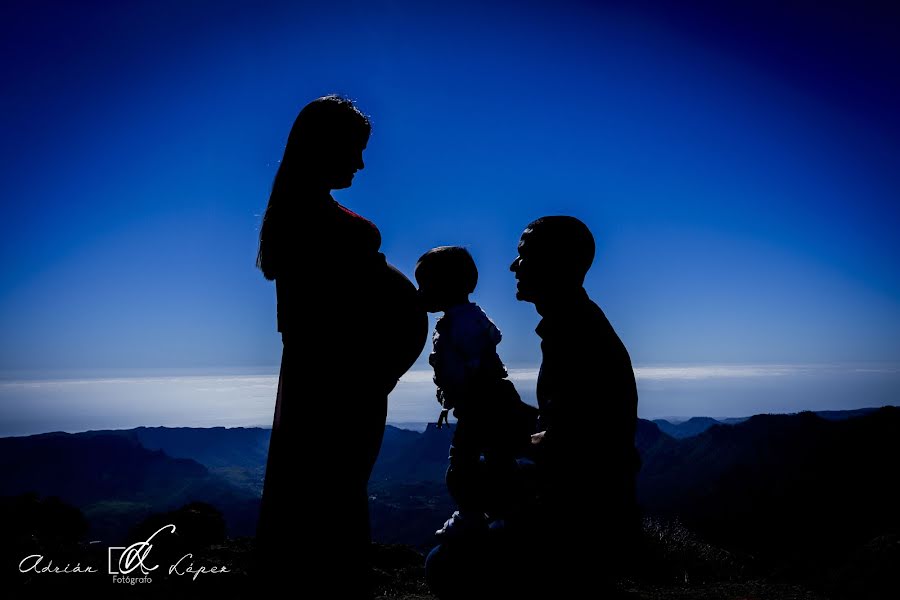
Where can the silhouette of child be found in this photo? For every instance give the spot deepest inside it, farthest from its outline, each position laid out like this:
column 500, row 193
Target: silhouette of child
column 492, row 421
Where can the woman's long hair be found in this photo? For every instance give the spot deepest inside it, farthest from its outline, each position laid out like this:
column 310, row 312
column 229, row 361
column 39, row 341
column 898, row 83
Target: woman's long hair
column 323, row 125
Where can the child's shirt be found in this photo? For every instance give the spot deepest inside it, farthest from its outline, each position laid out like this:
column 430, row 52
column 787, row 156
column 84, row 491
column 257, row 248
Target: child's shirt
column 465, row 353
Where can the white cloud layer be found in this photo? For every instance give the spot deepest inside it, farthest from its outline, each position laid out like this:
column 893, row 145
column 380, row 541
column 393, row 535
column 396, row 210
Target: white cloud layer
column 240, row 400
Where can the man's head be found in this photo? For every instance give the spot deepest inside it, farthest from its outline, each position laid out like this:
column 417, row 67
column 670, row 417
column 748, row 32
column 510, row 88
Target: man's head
column 555, row 254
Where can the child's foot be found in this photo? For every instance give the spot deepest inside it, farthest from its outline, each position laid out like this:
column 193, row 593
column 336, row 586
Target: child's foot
column 462, row 525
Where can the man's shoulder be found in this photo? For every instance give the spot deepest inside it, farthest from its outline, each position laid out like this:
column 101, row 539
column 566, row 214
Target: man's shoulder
column 584, row 329
column 578, row 318
column 595, row 317
column 600, row 327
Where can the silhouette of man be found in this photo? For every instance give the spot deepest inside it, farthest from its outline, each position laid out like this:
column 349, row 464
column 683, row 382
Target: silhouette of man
column 586, row 460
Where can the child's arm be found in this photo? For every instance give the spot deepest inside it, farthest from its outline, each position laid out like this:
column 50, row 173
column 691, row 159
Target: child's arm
column 449, row 366
column 443, row 418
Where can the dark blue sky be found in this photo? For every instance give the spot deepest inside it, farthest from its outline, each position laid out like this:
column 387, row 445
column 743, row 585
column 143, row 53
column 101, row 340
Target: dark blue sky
column 739, row 164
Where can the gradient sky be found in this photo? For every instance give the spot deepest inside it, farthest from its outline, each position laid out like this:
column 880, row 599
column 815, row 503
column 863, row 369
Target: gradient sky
column 739, row 166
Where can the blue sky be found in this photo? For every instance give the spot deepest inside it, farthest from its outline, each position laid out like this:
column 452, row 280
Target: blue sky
column 739, row 166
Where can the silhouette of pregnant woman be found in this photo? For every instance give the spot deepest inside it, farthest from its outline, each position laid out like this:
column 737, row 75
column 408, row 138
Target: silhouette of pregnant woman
column 351, row 326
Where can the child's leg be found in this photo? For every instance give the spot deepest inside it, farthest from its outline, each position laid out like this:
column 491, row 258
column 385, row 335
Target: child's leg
column 501, row 482
column 464, row 475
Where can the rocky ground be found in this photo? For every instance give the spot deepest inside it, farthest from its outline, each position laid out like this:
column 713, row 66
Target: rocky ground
column 675, row 565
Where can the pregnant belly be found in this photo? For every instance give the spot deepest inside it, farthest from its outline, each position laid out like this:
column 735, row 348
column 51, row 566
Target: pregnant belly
column 404, row 328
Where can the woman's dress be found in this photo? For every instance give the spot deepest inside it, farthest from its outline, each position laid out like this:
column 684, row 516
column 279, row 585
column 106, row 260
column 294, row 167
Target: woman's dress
column 351, row 326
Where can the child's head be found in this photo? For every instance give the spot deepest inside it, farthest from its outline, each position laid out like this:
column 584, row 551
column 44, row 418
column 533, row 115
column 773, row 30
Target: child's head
column 446, row 276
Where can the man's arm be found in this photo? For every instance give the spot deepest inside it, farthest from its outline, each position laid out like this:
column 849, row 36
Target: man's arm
column 588, row 412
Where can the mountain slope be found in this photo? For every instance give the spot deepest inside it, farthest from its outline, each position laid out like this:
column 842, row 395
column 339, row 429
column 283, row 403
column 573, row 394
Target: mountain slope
column 793, row 487
column 115, row 480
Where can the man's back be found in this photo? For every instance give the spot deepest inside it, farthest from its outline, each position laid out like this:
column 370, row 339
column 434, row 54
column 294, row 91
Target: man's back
column 587, row 459
column 586, row 393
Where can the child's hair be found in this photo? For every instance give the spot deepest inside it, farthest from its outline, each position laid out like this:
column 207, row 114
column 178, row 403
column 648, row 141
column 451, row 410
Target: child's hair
column 453, row 264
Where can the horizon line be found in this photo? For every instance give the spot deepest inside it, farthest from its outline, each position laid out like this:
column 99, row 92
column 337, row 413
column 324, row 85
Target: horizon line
column 644, row 371
column 397, row 424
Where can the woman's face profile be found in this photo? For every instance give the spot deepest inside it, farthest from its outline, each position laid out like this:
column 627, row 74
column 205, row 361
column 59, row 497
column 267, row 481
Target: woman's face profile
column 326, row 144
column 342, row 163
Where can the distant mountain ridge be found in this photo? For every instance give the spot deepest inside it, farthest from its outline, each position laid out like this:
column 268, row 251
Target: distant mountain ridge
column 681, row 429
column 685, row 429
column 212, row 446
